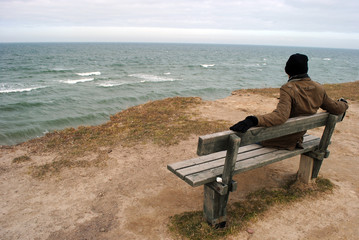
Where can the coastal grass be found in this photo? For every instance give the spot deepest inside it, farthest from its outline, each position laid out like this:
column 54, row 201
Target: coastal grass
column 55, row 166
column 21, row 159
column 347, row 90
column 191, row 225
column 164, row 122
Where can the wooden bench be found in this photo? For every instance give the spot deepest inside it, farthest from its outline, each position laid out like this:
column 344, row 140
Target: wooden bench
column 225, row 154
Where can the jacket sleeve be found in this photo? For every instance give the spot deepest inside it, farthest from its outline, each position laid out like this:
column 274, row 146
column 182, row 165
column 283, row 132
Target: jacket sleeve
column 334, row 107
column 280, row 114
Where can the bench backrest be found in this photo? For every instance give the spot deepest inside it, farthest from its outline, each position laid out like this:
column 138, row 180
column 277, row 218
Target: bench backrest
column 216, row 142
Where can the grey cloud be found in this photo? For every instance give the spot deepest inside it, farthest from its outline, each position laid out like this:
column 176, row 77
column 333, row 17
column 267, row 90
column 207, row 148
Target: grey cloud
column 328, row 15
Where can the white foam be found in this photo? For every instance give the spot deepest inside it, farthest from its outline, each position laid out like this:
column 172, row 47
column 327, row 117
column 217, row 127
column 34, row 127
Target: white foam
column 19, row 90
column 106, row 85
column 59, row 69
column 207, row 65
column 74, row 81
column 152, row 78
column 327, row 59
column 89, row 74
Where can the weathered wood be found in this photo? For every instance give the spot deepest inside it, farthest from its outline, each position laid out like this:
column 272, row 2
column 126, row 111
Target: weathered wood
column 200, row 167
column 200, row 164
column 208, row 158
column 328, row 132
column 214, row 209
column 215, row 203
column 194, row 171
column 231, row 158
column 213, row 141
column 324, row 143
column 305, row 169
column 218, row 141
column 256, row 161
column 220, row 188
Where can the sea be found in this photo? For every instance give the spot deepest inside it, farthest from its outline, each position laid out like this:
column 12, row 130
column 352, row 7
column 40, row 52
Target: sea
column 52, row 86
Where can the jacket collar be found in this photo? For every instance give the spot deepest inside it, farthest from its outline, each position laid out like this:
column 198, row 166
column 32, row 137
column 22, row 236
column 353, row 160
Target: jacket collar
column 298, row 77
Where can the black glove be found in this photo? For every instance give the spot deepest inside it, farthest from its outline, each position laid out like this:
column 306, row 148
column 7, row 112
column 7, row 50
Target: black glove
column 342, row 100
column 243, row 126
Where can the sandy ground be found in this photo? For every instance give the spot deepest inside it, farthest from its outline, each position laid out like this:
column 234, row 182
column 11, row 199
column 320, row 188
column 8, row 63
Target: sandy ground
column 134, row 195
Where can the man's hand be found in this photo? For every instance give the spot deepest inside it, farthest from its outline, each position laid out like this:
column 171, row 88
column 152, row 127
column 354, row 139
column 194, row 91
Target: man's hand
column 243, row 126
column 342, row 100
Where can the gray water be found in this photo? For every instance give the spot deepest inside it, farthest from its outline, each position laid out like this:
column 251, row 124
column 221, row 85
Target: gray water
column 48, row 86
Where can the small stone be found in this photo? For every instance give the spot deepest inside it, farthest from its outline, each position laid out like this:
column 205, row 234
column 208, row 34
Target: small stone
column 250, row 230
column 103, row 230
column 101, row 194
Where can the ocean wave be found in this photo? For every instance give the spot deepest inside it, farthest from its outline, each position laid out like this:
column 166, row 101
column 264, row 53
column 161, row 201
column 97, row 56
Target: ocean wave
column 152, row 78
column 207, row 65
column 74, row 81
column 19, row 135
column 58, row 70
column 20, row 106
column 86, row 74
column 110, row 84
column 327, row 59
column 142, row 78
column 17, row 90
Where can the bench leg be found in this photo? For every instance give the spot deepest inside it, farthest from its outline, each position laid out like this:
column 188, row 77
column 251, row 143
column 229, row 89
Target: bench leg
column 214, row 207
column 309, row 168
column 305, row 169
column 316, row 167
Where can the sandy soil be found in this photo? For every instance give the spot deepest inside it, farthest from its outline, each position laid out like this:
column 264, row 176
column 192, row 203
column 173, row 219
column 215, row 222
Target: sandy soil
column 134, row 195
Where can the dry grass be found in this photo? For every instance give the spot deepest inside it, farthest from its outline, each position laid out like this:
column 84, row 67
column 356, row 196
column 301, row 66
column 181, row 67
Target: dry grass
column 21, row 159
column 164, row 122
column 348, row 91
column 191, row 225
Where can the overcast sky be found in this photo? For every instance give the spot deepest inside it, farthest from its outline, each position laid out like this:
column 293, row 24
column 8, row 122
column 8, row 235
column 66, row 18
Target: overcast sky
column 316, row 23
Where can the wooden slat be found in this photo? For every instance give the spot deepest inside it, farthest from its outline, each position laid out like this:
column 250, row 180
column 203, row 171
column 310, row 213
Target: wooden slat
column 210, row 175
column 208, row 158
column 220, row 162
column 204, row 172
column 183, row 168
column 218, row 141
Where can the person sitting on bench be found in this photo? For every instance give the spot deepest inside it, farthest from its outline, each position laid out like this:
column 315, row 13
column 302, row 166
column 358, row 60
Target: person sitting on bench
column 300, row 96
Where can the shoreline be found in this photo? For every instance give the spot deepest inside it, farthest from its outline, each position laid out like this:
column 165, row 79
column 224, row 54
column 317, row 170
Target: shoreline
column 335, row 91
column 104, row 190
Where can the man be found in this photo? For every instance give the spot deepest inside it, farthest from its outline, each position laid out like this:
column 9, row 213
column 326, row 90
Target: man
column 299, row 96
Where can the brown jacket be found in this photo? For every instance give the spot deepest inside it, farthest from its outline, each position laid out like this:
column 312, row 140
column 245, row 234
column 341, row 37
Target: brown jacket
column 298, row 97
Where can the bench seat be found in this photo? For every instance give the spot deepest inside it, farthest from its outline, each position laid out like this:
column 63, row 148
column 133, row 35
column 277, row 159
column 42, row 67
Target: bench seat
column 202, row 170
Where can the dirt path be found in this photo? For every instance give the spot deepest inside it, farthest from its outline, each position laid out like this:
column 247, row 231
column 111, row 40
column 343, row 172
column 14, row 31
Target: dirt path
column 134, row 195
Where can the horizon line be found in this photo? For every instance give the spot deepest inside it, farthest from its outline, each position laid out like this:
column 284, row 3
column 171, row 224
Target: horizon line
column 159, row 42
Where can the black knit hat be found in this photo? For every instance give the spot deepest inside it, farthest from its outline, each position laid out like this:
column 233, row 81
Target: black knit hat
column 297, row 64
